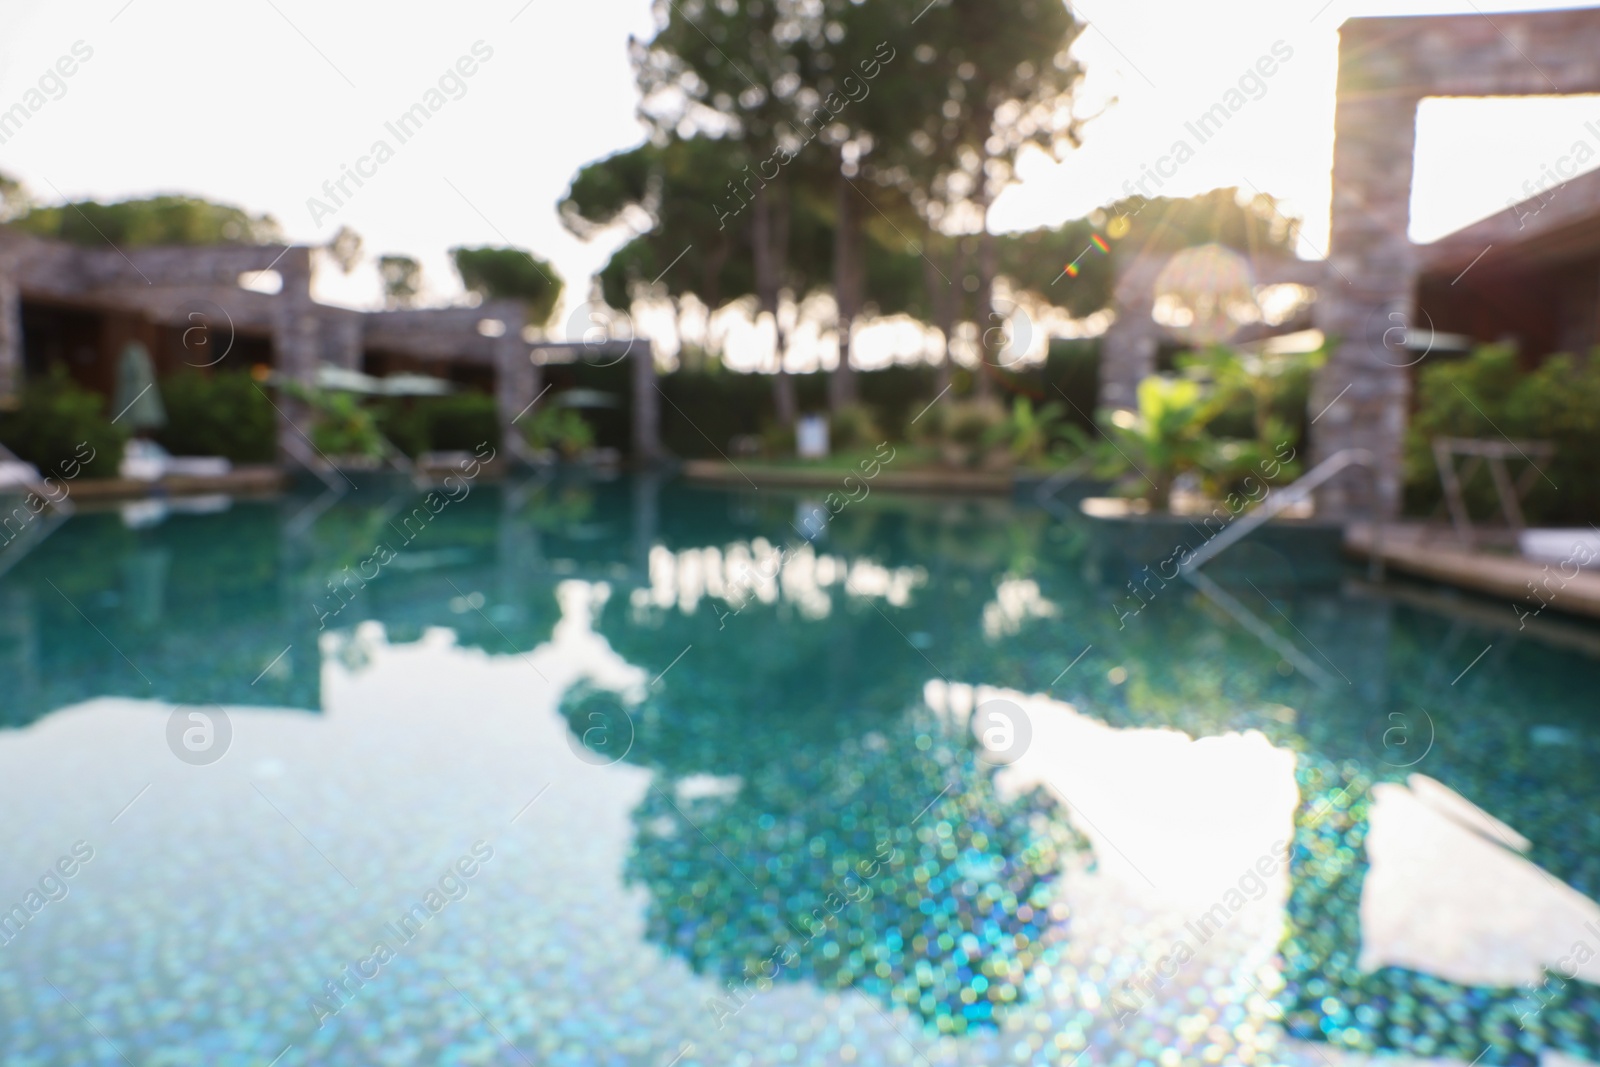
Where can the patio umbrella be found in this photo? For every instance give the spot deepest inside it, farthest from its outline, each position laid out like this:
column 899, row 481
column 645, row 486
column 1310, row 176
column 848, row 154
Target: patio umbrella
column 137, row 399
column 341, row 380
column 587, row 398
column 414, row 385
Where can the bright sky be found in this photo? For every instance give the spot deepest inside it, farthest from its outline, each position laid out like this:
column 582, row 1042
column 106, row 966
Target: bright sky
column 259, row 102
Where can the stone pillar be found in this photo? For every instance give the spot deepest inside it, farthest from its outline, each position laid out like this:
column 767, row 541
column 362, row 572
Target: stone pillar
column 1365, row 302
column 345, row 347
column 297, row 347
column 1128, row 347
column 516, row 380
column 646, row 404
column 11, row 362
column 1127, row 356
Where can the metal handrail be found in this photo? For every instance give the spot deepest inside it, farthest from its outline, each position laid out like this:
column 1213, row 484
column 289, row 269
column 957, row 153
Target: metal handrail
column 1277, row 503
column 302, row 454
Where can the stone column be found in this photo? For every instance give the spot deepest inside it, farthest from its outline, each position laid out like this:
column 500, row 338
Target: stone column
column 297, row 344
column 1365, row 302
column 516, row 381
column 346, row 349
column 646, row 404
column 11, row 362
column 1128, row 347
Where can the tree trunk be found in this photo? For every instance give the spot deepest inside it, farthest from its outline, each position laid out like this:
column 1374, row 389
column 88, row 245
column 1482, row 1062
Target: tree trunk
column 770, row 237
column 846, row 286
column 944, row 301
column 989, row 324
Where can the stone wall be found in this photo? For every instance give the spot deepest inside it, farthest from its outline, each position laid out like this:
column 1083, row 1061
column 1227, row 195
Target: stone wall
column 1386, row 66
column 1367, row 287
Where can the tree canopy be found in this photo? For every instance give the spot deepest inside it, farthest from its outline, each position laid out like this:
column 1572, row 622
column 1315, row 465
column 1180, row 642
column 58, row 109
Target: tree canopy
column 510, row 274
column 160, row 220
column 671, row 187
column 835, row 139
column 1035, row 260
column 402, row 280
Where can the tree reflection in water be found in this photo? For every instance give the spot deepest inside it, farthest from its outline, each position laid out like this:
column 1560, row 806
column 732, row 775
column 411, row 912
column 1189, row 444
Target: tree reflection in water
column 787, row 839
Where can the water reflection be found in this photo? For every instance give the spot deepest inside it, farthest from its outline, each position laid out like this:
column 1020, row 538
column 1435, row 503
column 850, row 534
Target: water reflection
column 815, row 817
column 880, row 857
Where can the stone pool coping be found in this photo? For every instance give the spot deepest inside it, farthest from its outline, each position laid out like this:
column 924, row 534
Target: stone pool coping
column 715, row 472
column 1427, row 553
column 242, row 480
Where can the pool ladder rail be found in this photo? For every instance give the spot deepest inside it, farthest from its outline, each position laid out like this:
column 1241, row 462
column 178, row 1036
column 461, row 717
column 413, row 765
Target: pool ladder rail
column 1297, row 493
column 1274, row 505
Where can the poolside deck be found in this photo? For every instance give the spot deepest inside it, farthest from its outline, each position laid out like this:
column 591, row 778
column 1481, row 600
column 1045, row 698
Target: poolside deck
column 1434, row 553
column 716, row 472
column 244, row 480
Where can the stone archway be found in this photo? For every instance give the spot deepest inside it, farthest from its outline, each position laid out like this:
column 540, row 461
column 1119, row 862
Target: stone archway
column 1386, row 67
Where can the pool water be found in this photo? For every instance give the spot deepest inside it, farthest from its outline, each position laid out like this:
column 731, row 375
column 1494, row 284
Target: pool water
column 629, row 772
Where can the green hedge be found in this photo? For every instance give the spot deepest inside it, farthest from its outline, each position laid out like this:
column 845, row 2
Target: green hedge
column 55, row 421
column 719, row 404
column 1488, row 395
column 218, row 415
column 702, row 411
column 457, row 423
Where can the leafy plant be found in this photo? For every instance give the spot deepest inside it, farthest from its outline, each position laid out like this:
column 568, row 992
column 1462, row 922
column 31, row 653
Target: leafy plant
column 777, row 440
column 1231, row 465
column 340, row 425
column 962, row 432
column 1028, row 434
column 218, row 415
column 558, row 429
column 56, row 419
column 1164, row 439
column 1487, row 395
column 1229, row 416
column 345, row 428
column 439, row 424
column 853, row 426
column 1270, row 387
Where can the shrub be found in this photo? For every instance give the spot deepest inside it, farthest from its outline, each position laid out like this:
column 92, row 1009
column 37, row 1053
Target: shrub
column 1072, row 372
column 1029, row 435
column 57, row 417
column 971, row 423
column 1488, row 396
column 406, row 424
column 218, row 415
column 1165, row 439
column 457, row 423
column 340, row 426
column 701, row 412
column 961, row 431
column 344, row 428
column 777, row 440
column 1258, row 395
column 558, row 429
column 853, row 427
column 463, row 422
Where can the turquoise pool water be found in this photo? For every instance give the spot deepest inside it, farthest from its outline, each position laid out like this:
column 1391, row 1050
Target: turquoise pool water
column 633, row 773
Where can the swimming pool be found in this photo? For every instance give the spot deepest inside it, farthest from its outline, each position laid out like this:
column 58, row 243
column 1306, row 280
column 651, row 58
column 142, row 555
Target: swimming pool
column 631, row 772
